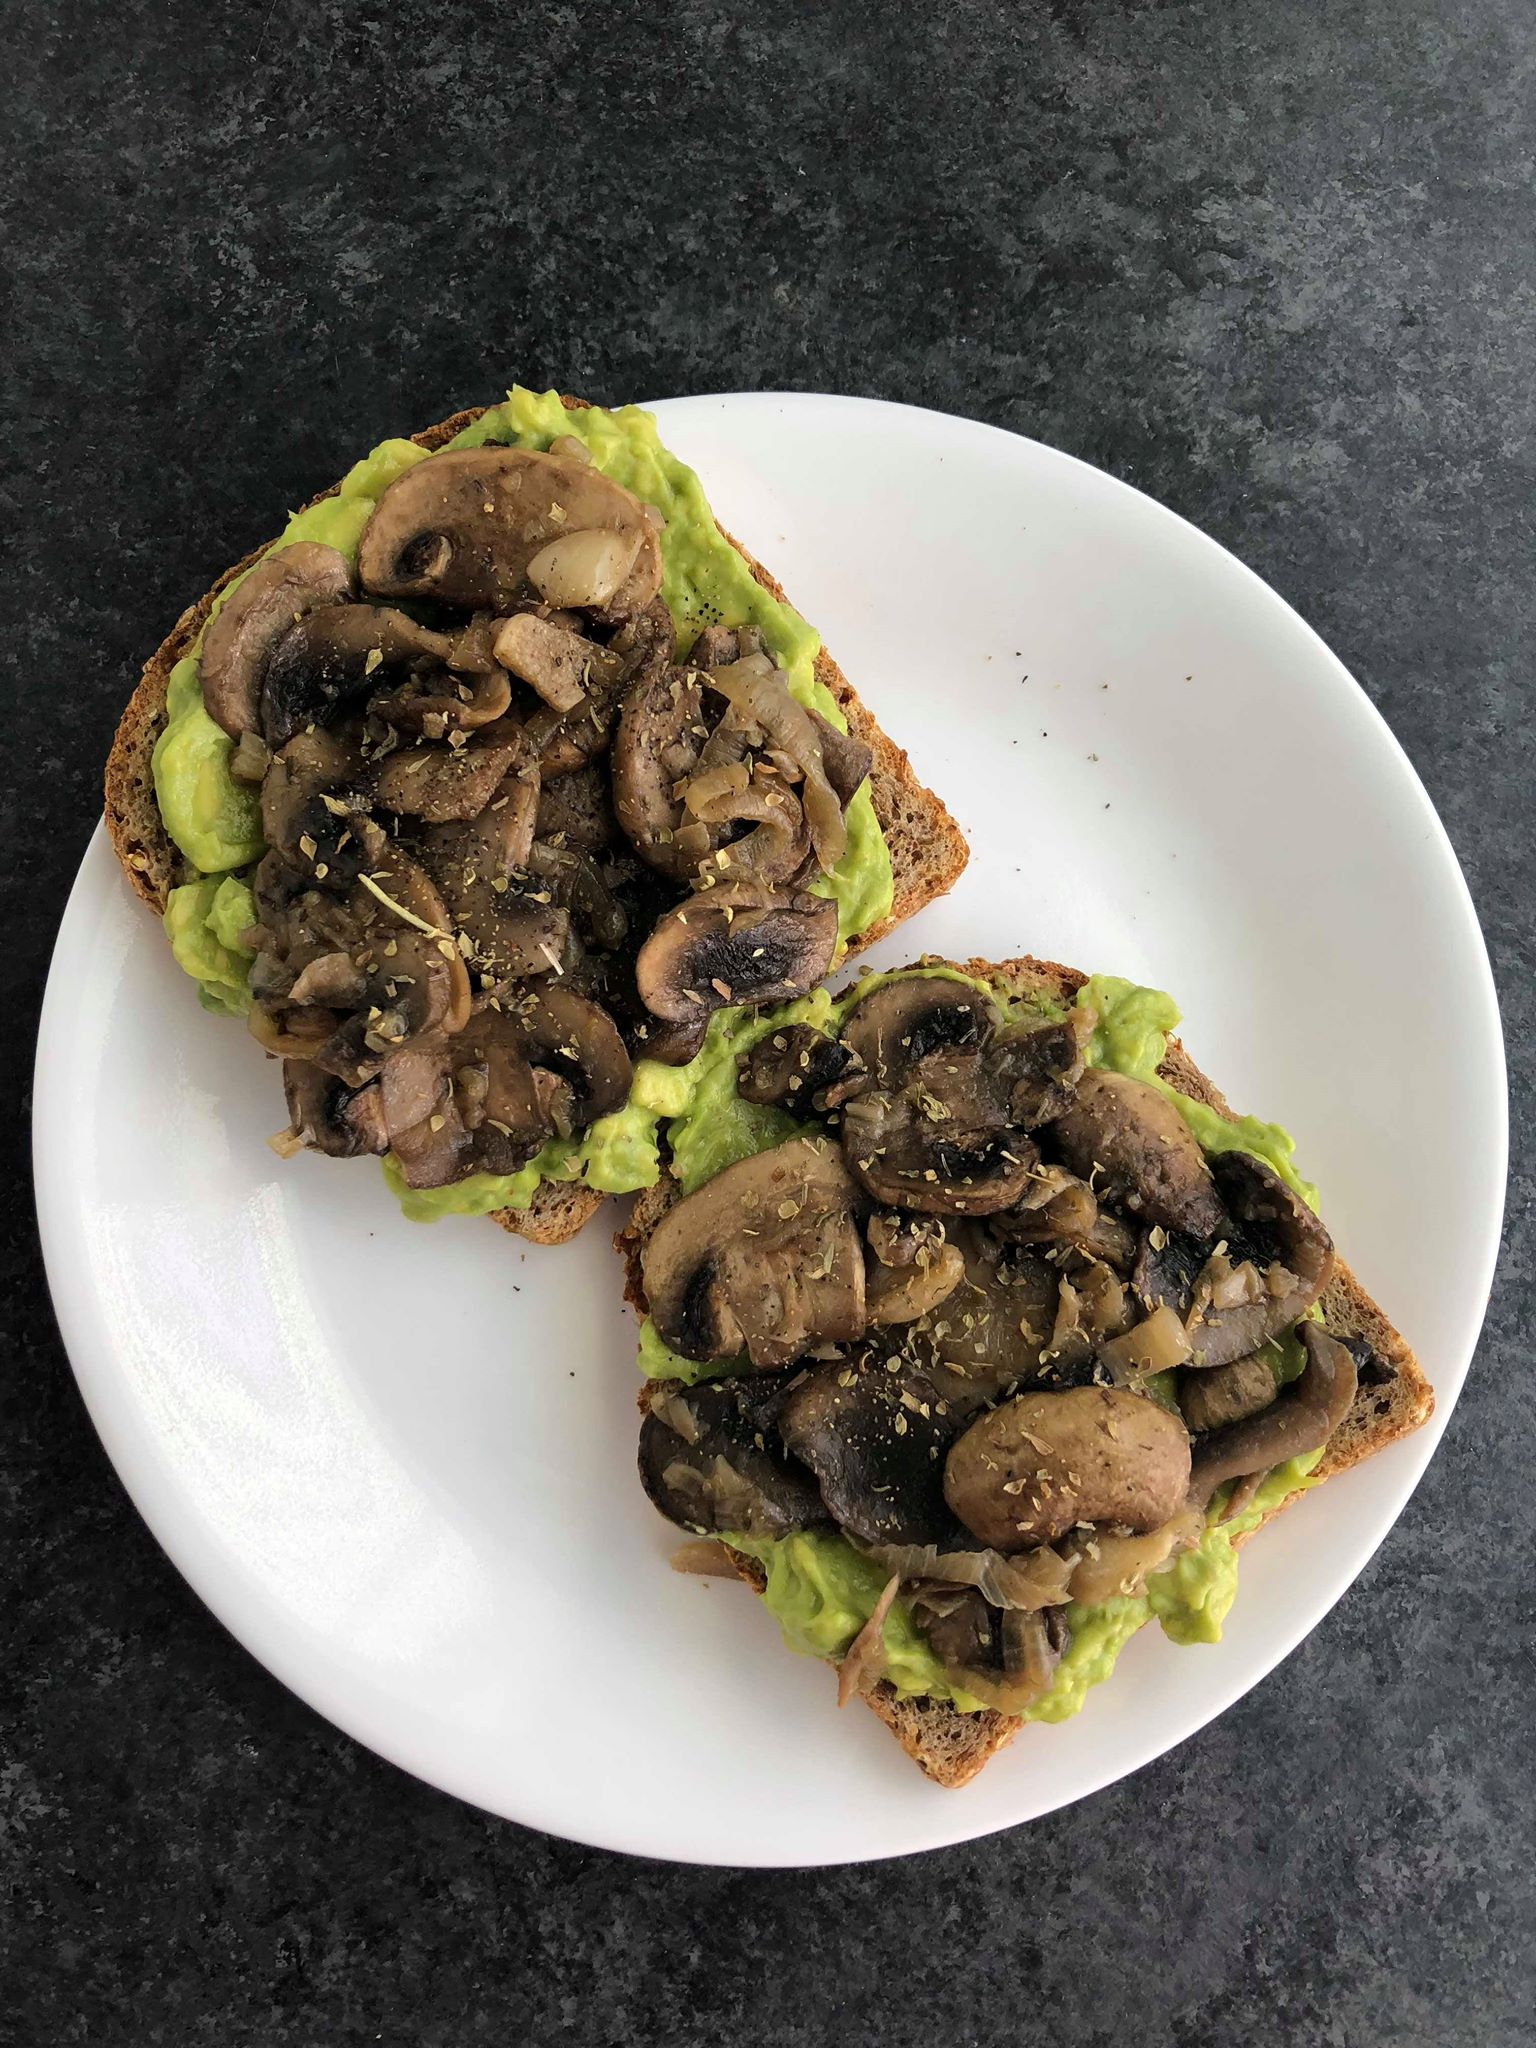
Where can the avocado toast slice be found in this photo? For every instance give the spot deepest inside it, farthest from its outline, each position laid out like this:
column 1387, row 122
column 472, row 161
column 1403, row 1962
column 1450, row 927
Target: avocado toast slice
column 894, row 848
column 994, row 1252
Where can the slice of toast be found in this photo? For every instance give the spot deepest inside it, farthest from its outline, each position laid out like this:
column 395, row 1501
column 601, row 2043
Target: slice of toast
column 952, row 1747
column 927, row 849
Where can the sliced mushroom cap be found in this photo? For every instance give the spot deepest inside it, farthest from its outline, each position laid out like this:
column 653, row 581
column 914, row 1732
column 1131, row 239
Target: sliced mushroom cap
column 1302, row 1419
column 901, row 1294
column 330, row 1117
column 566, row 741
column 1269, row 1273
column 759, row 695
column 656, row 745
column 798, row 1068
column 415, row 978
column 438, row 701
column 960, row 1626
column 575, row 810
column 993, row 1333
column 1168, row 1264
column 738, row 945
column 1038, row 1067
column 442, row 784
column 709, row 1460
column 875, row 1441
column 904, row 1020
column 334, row 657
column 764, row 1258
column 464, row 527
column 1132, row 1146
column 485, row 1098
column 310, row 800
column 674, row 1045
column 240, row 637
column 1057, row 1209
column 1028, row 1472
column 574, row 1038
column 847, row 760
column 575, row 881
column 515, row 926
column 1228, row 1393
column 940, row 1142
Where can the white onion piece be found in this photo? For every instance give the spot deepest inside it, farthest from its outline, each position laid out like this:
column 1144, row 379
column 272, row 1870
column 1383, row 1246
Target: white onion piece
column 586, row 568
column 1152, row 1346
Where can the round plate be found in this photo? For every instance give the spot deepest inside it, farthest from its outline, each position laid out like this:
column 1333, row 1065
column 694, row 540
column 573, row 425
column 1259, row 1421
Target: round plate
column 397, row 1461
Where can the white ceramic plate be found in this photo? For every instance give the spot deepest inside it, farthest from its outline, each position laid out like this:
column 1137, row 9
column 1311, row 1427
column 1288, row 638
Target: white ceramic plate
column 398, row 1461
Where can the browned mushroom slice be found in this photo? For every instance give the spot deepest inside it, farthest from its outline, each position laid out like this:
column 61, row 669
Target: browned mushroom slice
column 1132, row 1146
column 764, row 1259
column 674, row 1045
column 901, row 1294
column 331, row 981
column 484, row 1099
column 1259, row 1282
column 1038, row 1067
column 575, row 881
column 738, row 945
column 716, row 646
column 239, row 638
column 656, row 746
column 567, row 741
column 902, row 1021
column 710, row 1462
column 759, row 695
column 847, row 760
column 464, row 527
column 1059, row 1209
column 797, row 1068
column 437, row 702
column 941, row 1143
column 331, row 659
column 1029, row 1472
column 1168, row 1263
column 415, row 980
column 993, row 1333
column 576, row 810
column 310, row 799
column 959, row 1624
column 1302, row 1419
column 439, row 784
column 330, row 1117
column 875, row 1441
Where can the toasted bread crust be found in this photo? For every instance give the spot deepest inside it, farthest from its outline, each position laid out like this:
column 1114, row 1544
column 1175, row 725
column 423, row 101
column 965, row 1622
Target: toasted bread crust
column 928, row 851
column 951, row 1747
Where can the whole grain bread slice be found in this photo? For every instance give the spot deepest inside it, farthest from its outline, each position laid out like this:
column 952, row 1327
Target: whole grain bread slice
column 928, row 851
column 1391, row 1401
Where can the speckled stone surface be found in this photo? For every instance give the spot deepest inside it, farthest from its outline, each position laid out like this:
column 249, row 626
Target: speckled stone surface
column 1273, row 263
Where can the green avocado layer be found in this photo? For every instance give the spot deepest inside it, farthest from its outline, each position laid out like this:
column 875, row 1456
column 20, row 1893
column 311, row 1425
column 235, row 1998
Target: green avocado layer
column 216, row 821
column 820, row 1588
column 821, row 1591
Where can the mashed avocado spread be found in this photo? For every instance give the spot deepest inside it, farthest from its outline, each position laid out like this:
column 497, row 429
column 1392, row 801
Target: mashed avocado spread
column 216, row 822
column 819, row 1587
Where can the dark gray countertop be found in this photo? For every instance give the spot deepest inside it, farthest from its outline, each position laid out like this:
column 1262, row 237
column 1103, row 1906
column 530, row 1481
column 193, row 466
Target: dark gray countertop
column 1271, row 262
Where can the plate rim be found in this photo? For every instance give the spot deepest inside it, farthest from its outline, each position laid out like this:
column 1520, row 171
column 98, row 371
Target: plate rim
column 88, row 1348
